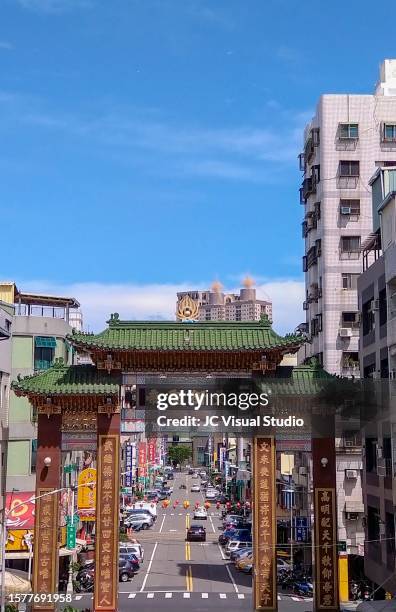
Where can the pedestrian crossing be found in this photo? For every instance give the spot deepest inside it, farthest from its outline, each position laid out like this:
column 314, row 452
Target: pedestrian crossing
column 158, row 595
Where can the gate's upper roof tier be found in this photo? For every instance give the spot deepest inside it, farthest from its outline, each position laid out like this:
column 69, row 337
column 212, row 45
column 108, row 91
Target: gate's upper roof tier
column 197, row 336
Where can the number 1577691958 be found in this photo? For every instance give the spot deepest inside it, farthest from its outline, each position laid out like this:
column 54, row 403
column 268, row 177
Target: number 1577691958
column 39, row 597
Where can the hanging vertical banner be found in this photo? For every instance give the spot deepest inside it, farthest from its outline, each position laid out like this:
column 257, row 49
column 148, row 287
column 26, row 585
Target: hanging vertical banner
column 325, row 549
column 151, row 444
column 264, row 524
column 107, row 521
column 46, row 553
column 142, row 451
column 128, row 465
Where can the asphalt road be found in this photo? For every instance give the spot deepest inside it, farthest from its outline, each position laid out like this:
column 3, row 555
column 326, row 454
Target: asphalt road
column 192, row 575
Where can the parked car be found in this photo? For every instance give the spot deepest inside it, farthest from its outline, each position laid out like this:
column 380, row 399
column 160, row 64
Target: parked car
column 126, row 570
column 196, row 533
column 152, row 495
column 222, row 499
column 132, row 558
column 226, row 535
column 202, row 474
column 190, row 472
column 229, row 518
column 241, row 553
column 200, row 513
column 246, row 561
column 170, row 476
column 233, row 546
column 129, row 547
column 195, row 488
column 138, row 521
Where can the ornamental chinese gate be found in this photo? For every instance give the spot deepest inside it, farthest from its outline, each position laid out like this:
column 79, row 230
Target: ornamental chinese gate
column 87, row 395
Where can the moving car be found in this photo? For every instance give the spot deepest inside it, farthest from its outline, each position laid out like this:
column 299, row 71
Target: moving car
column 211, row 494
column 132, row 548
column 200, row 513
column 195, row 489
column 196, row 533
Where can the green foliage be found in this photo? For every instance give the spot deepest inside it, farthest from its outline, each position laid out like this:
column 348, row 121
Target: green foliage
column 179, row 453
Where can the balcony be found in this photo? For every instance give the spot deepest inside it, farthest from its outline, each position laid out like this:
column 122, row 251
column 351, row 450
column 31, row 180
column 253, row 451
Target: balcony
column 308, row 187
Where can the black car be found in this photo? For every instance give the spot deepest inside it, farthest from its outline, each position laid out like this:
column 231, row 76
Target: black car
column 223, row 499
column 196, row 533
column 126, row 570
column 132, row 558
column 170, row 476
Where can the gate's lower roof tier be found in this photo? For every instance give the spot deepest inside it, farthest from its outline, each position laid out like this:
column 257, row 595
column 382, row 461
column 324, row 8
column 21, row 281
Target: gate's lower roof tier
column 61, row 379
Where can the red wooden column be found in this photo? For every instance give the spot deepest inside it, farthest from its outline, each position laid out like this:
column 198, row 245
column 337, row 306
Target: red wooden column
column 264, row 524
column 107, row 512
column 325, row 523
column 48, row 479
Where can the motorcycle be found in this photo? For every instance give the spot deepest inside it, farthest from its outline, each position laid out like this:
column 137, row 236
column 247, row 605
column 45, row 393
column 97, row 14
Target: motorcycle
column 304, row 588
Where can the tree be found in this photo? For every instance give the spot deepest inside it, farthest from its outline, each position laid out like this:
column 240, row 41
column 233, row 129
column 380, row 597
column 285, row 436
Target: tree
column 178, row 453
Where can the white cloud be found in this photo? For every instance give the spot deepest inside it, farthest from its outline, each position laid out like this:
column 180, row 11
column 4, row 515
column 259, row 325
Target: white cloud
column 158, row 301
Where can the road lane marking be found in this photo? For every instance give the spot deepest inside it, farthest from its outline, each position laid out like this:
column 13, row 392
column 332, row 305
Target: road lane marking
column 223, row 596
column 149, row 567
column 187, row 521
column 221, row 552
column 131, row 595
column 150, row 595
column 186, row 595
column 162, row 524
column 213, row 527
column 204, row 595
column 241, row 595
column 188, row 551
column 232, row 579
column 78, row 597
column 168, row 595
column 189, row 581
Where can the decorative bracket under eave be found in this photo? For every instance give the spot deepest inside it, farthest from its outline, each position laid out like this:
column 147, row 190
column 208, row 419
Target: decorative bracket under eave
column 49, row 409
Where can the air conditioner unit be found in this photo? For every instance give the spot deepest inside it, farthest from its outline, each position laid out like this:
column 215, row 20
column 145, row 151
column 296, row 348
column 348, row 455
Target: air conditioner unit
column 345, row 332
column 392, row 374
column 351, row 474
column 375, row 304
column 345, row 210
column 358, row 317
column 302, row 471
column 352, row 516
column 310, row 222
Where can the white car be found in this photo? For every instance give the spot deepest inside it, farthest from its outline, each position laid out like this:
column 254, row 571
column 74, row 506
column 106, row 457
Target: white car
column 234, row 545
column 195, row 489
column 126, row 548
column 200, row 513
column 211, row 494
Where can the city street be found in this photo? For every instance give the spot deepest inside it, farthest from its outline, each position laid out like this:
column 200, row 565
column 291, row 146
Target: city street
column 195, row 575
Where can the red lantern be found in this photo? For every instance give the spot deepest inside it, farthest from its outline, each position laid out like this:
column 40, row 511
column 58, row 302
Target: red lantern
column 196, row 504
column 207, row 505
column 228, row 504
column 238, row 505
column 164, row 504
column 177, row 502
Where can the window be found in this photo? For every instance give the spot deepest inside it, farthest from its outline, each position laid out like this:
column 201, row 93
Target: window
column 389, row 132
column 318, row 245
column 371, row 454
column 43, row 357
column 349, row 168
column 350, row 319
column 315, row 174
column 8, row 325
column 33, row 457
column 367, row 318
column 383, row 315
column 350, row 207
column 348, row 131
column 317, row 210
column 350, row 244
column 349, row 281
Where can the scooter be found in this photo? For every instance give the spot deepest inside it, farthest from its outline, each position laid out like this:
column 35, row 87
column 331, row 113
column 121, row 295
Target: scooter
column 303, row 588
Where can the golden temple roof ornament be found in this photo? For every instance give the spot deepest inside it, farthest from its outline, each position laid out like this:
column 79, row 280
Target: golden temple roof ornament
column 187, row 309
column 248, row 282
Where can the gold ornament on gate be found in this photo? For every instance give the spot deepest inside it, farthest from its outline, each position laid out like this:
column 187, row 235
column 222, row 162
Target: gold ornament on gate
column 187, row 309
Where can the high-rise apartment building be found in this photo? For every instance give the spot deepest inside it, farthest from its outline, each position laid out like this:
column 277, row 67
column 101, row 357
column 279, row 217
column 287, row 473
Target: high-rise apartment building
column 348, row 138
column 215, row 305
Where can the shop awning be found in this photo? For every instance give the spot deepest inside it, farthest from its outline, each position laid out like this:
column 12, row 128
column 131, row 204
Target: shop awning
column 354, row 506
column 45, row 342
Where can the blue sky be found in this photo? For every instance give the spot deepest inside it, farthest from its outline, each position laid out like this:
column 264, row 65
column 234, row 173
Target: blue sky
column 148, row 145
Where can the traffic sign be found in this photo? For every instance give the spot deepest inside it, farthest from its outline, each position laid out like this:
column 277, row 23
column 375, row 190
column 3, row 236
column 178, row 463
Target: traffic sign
column 70, row 537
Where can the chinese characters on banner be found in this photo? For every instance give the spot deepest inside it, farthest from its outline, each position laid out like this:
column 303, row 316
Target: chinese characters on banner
column 264, row 539
column 142, row 458
column 106, row 552
column 46, row 548
column 152, row 446
column 325, row 549
column 128, row 465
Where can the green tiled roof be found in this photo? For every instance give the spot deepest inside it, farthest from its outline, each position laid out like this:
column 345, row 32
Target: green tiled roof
column 69, row 380
column 172, row 336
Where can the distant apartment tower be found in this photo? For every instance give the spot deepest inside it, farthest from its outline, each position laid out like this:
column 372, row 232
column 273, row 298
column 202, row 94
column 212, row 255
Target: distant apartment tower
column 348, row 138
column 214, row 305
